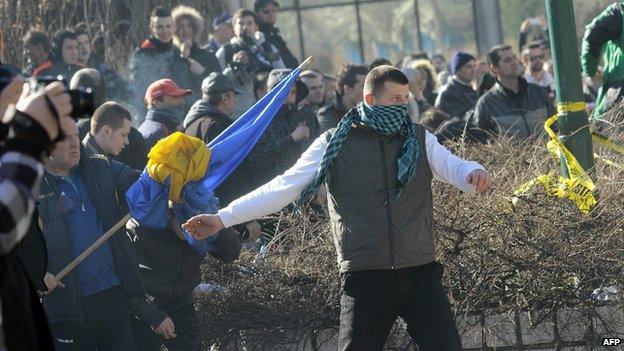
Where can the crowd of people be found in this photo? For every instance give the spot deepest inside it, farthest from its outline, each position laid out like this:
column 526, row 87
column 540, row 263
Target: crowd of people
column 137, row 290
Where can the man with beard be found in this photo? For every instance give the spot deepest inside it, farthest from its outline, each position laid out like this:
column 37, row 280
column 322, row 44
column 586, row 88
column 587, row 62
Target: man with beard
column 533, row 60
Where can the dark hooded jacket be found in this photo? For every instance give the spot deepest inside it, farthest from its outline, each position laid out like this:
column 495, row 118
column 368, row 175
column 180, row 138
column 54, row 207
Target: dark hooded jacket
column 55, row 69
column 206, row 122
column 456, row 99
column 160, row 123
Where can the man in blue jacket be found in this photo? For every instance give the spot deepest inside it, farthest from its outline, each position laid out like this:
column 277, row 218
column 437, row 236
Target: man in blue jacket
column 89, row 308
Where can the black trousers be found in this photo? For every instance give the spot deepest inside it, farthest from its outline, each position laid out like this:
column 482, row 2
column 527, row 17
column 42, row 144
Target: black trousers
column 186, row 325
column 372, row 300
column 106, row 325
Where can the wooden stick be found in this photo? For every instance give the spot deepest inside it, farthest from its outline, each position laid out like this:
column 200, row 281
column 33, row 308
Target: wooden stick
column 70, row 267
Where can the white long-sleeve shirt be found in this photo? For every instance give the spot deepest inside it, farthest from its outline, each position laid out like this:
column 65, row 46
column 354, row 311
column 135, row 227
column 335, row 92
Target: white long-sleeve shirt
column 287, row 187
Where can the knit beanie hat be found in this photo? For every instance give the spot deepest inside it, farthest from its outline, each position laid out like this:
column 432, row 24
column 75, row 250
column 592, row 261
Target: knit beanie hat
column 459, row 60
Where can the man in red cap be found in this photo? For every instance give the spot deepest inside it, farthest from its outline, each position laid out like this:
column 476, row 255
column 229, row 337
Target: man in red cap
column 165, row 110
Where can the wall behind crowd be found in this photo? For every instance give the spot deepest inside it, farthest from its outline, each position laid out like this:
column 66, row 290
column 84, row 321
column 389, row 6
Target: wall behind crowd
column 123, row 23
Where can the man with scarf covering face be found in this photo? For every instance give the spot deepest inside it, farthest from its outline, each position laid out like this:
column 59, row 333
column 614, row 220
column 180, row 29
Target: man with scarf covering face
column 377, row 168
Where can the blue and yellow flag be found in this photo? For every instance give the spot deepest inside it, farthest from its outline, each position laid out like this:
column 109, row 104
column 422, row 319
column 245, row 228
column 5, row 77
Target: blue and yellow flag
column 186, row 173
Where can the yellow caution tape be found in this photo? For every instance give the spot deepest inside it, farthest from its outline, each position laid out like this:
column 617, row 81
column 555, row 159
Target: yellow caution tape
column 609, row 162
column 610, row 144
column 605, row 141
column 568, row 107
column 579, row 188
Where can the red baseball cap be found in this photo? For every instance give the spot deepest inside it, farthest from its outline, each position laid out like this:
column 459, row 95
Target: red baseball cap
column 164, row 87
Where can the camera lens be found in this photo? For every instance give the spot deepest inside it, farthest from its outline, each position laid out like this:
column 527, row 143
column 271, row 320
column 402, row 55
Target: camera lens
column 81, row 101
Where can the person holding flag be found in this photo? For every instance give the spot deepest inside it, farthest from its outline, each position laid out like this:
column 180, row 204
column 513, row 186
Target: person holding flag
column 377, row 168
column 180, row 181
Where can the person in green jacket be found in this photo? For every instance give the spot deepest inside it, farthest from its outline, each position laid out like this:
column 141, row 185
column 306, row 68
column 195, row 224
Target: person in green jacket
column 604, row 36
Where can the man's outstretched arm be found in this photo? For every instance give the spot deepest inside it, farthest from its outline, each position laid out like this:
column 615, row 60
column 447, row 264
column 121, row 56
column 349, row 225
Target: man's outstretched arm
column 267, row 199
column 468, row 176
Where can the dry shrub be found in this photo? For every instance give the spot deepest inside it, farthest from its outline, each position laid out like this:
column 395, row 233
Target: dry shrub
column 541, row 256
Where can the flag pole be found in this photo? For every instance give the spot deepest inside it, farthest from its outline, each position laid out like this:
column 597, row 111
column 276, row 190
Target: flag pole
column 112, row 231
column 307, row 62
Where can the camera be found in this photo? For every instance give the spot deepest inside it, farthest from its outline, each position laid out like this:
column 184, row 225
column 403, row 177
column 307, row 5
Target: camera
column 257, row 49
column 81, row 98
column 259, row 59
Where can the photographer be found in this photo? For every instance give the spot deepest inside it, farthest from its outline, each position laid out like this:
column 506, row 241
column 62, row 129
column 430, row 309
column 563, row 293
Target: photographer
column 246, row 55
column 27, row 133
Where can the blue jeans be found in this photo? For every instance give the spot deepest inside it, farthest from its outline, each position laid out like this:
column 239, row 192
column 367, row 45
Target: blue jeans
column 372, row 300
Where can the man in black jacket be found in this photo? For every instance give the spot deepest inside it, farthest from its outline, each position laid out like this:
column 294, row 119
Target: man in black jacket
column 89, row 308
column 170, row 268
column 135, row 155
column 64, row 60
column 458, row 96
column 209, row 117
column 348, row 93
column 512, row 107
column 110, row 128
column 267, row 11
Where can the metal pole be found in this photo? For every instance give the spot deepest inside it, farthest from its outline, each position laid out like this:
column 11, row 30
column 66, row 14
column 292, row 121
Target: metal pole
column 418, row 32
column 359, row 30
column 300, row 27
column 573, row 126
